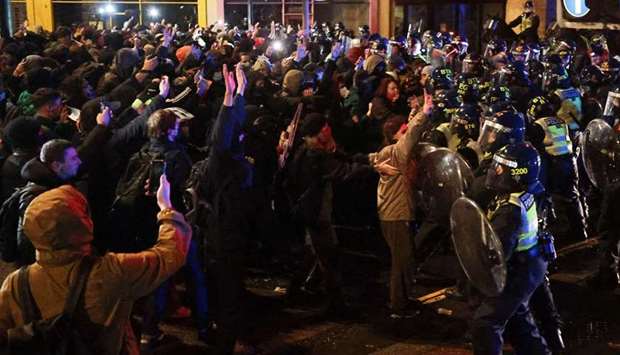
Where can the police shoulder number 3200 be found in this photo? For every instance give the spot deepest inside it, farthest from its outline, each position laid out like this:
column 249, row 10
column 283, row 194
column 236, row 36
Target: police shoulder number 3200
column 518, row 171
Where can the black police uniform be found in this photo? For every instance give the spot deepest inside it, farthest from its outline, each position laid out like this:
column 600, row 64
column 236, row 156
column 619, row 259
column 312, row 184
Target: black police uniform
column 514, row 218
column 526, row 272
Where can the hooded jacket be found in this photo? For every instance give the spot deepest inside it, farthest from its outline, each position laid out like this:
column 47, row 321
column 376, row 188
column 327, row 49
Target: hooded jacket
column 59, row 226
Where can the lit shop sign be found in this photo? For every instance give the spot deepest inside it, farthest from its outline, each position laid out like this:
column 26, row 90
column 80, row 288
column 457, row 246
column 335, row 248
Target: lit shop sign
column 576, row 8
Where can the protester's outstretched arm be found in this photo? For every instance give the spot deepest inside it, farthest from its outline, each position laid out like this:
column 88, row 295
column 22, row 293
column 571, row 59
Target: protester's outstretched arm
column 137, row 127
column 96, row 138
column 232, row 114
column 416, row 127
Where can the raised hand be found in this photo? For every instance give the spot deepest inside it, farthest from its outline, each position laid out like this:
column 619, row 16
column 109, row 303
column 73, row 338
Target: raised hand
column 336, row 50
column 164, row 87
column 428, row 104
column 104, row 117
column 150, row 64
column 300, row 53
column 241, row 79
column 229, row 81
column 163, row 193
column 202, row 84
column 168, row 36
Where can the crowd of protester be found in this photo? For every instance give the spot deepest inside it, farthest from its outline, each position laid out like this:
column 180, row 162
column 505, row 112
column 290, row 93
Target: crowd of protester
column 263, row 138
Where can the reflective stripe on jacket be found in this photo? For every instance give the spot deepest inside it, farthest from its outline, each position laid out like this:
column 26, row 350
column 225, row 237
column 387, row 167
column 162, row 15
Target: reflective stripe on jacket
column 557, row 139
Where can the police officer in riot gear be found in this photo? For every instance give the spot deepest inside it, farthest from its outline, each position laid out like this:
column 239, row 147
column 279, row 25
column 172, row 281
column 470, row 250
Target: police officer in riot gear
column 441, row 80
column 565, row 98
column 472, row 64
column 527, row 22
column 550, row 135
column 464, row 130
column 445, row 105
column 497, row 99
column 504, row 127
column 520, row 52
column 513, row 177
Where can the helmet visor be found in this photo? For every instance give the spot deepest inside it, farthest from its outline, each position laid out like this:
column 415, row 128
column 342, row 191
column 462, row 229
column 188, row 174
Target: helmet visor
column 492, row 136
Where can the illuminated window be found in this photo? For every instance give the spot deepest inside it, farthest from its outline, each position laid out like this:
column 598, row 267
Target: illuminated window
column 18, row 13
column 107, row 14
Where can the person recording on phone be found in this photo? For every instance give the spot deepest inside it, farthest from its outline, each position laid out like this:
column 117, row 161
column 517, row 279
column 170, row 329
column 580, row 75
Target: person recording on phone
column 137, row 229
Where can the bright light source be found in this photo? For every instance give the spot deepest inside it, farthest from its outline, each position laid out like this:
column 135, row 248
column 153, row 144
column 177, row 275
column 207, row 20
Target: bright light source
column 153, row 12
column 220, row 22
column 278, row 45
column 107, row 9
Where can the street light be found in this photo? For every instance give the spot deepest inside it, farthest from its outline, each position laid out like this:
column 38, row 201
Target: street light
column 278, row 46
column 153, row 12
column 107, row 10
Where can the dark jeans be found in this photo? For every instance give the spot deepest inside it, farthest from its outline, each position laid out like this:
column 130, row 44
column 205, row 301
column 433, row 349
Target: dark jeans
column 324, row 244
column 229, row 291
column 544, row 307
column 398, row 237
column 196, row 281
column 490, row 320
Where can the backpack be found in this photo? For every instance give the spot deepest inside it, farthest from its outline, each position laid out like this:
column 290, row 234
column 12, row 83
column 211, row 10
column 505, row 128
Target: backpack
column 10, row 213
column 195, row 193
column 130, row 187
column 54, row 336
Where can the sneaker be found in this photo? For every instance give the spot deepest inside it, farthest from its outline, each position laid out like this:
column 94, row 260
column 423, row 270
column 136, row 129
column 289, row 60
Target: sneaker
column 208, row 335
column 181, row 313
column 405, row 314
column 149, row 343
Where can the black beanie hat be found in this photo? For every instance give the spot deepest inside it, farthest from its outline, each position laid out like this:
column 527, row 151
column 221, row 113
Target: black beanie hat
column 22, row 132
column 312, row 124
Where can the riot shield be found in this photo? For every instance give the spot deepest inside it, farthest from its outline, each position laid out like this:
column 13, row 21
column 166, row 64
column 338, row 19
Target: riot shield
column 443, row 176
column 612, row 96
column 597, row 151
column 477, row 247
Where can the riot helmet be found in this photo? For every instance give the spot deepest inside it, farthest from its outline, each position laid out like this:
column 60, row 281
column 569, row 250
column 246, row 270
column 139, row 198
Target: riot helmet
column 520, row 52
column 515, row 168
column 494, row 47
column 441, row 79
column 467, row 88
column 472, row 64
column 591, row 77
column 566, row 51
column 445, row 103
column 465, row 122
column 539, row 107
column 496, row 94
column 610, row 69
column 598, row 45
column 534, row 52
column 505, row 127
column 461, row 42
column 555, row 75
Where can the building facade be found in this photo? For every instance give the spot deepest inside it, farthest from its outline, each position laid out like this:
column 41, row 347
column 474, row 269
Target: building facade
column 388, row 17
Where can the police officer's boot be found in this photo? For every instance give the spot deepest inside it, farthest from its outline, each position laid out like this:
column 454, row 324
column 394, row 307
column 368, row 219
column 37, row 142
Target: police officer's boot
column 554, row 340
